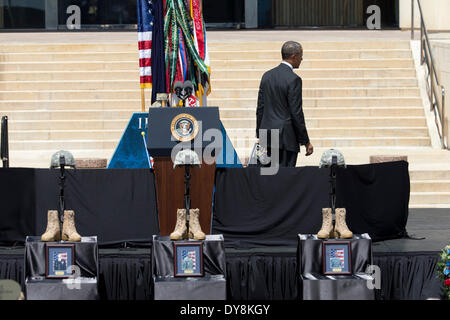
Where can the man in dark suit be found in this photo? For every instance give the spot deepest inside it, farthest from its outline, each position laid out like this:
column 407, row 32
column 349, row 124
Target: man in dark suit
column 280, row 107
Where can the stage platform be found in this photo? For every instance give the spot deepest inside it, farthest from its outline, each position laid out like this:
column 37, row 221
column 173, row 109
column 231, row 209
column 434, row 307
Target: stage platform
column 269, row 273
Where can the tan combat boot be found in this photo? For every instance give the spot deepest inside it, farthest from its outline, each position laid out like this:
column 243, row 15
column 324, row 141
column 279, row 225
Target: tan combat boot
column 327, row 224
column 195, row 230
column 341, row 230
column 53, row 231
column 69, row 232
column 180, row 231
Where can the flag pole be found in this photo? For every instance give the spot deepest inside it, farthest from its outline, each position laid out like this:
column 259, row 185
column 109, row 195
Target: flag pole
column 143, row 99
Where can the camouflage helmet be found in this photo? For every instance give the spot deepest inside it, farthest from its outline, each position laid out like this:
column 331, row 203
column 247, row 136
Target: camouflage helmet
column 68, row 157
column 186, row 157
column 327, row 158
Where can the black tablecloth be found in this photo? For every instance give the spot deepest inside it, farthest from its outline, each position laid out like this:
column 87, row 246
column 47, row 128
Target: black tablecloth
column 254, row 210
column 117, row 205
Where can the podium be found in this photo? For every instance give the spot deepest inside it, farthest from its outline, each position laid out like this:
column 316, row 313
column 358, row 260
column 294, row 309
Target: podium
column 314, row 285
column 169, row 128
column 83, row 287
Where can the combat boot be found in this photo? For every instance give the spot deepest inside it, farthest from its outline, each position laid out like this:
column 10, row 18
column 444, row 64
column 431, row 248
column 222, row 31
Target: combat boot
column 341, row 230
column 327, row 224
column 180, row 231
column 69, row 231
column 53, row 231
column 195, row 230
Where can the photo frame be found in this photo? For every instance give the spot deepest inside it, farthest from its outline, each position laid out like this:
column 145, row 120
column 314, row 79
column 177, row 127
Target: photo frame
column 58, row 257
column 337, row 258
column 188, row 259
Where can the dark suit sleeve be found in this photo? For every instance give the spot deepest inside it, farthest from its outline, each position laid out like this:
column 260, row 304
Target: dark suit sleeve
column 296, row 109
column 260, row 108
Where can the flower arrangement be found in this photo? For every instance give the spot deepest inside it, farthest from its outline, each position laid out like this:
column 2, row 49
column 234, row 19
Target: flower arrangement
column 444, row 271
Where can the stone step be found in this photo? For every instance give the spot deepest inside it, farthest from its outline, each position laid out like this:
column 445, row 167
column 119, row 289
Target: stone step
column 56, row 75
column 68, row 47
column 309, row 45
column 219, row 93
column 321, row 83
column 333, row 112
column 117, row 124
column 219, row 74
column 54, row 85
column 73, row 94
column 81, row 104
column 326, row 102
column 214, row 55
column 76, row 115
column 63, row 145
column 108, row 134
column 67, row 56
column 233, row 64
column 33, row 85
column 430, row 186
column 212, row 45
column 426, row 175
column 350, row 142
column 332, row 122
column 335, row 132
column 216, row 94
column 71, row 66
column 313, row 54
column 331, row 73
column 429, row 198
column 309, row 64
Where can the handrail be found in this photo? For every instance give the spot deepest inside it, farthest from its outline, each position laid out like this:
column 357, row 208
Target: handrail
column 426, row 56
column 4, row 152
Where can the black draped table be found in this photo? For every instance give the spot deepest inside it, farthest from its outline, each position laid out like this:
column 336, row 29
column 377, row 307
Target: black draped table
column 212, row 286
column 253, row 210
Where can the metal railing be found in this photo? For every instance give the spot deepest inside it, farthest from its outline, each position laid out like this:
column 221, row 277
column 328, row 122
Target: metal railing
column 436, row 92
column 4, row 149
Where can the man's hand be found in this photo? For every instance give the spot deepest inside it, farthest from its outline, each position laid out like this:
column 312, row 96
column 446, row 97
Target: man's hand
column 309, row 149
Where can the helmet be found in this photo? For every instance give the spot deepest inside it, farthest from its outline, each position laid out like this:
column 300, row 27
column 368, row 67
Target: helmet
column 68, row 158
column 327, row 158
column 186, row 157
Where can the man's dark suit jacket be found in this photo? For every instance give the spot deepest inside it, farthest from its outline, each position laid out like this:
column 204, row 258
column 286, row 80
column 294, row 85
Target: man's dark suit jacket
column 280, row 107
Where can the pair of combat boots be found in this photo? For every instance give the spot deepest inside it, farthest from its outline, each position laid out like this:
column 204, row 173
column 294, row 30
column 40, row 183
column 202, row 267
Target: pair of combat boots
column 340, row 229
column 181, row 231
column 53, row 231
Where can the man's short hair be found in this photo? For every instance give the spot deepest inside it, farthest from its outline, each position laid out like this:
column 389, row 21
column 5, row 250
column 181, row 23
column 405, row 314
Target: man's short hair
column 289, row 48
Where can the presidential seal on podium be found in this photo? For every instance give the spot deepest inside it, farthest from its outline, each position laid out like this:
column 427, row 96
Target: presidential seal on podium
column 184, row 127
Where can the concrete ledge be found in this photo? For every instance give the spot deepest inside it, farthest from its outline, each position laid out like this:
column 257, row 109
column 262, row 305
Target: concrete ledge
column 387, row 158
column 91, row 163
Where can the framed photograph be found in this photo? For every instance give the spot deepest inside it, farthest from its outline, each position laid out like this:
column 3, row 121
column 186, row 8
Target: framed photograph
column 337, row 258
column 188, row 259
column 58, row 257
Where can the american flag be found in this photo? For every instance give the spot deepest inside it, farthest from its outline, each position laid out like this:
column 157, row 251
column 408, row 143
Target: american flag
column 61, row 256
column 185, row 253
column 337, row 254
column 145, row 28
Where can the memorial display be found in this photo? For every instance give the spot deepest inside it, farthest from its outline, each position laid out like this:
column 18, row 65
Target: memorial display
column 337, row 258
column 333, row 219
column 188, row 223
column 54, row 232
column 58, row 259
column 188, row 259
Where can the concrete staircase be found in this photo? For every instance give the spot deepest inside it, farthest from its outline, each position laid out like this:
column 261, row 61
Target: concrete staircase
column 359, row 96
